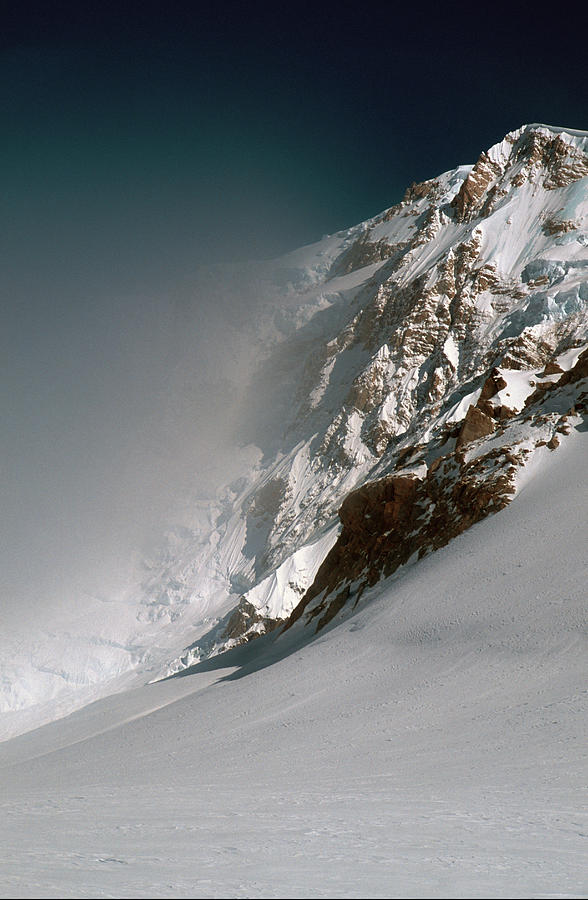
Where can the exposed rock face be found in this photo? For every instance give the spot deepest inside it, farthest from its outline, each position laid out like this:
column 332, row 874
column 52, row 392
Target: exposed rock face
column 475, row 425
column 493, row 385
column 552, row 368
column 486, row 403
column 559, row 226
column 364, row 252
column 537, row 155
column 576, row 374
column 245, row 623
column 389, row 521
column 468, row 199
column 421, row 191
column 564, row 163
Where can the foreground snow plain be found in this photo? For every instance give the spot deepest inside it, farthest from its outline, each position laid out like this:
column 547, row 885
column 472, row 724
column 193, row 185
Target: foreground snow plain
column 433, row 744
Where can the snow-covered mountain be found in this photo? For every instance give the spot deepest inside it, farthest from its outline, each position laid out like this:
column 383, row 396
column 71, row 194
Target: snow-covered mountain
column 457, row 316
column 413, row 372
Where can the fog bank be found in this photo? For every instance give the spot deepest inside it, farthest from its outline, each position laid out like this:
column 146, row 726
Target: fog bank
column 118, row 410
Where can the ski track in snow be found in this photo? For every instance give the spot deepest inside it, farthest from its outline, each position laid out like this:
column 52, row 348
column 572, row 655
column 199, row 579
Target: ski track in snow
column 431, row 745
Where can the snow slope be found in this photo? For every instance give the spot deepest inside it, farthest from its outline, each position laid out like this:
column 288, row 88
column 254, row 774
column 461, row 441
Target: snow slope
column 433, row 743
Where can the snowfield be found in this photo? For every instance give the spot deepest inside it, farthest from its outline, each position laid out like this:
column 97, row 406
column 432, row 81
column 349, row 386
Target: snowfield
column 430, row 744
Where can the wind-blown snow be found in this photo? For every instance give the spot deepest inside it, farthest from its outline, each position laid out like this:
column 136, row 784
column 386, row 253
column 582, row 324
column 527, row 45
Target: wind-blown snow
column 431, row 744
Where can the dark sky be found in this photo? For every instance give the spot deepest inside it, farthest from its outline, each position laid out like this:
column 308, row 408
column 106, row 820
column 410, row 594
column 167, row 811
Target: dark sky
column 150, row 135
column 143, row 140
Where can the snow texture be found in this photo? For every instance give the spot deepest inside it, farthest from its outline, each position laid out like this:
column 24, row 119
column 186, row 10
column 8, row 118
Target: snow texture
column 431, row 744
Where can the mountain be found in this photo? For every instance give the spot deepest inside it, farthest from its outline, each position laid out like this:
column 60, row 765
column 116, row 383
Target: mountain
column 425, row 361
column 411, row 374
column 374, row 634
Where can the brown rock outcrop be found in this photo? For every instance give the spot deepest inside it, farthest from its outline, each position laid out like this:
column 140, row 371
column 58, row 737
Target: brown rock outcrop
column 545, row 157
column 246, row 623
column 468, row 198
column 364, row 252
column 368, row 514
column 558, row 226
column 552, row 368
column 576, row 373
column 475, row 425
column 385, row 522
column 493, row 385
column 420, row 190
column 388, row 521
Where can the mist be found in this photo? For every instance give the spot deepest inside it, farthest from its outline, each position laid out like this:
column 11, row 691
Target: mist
column 128, row 213
column 118, row 407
